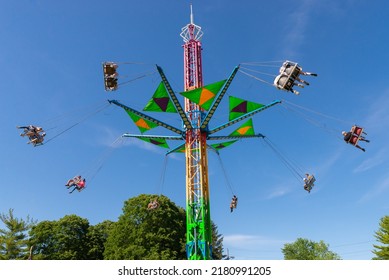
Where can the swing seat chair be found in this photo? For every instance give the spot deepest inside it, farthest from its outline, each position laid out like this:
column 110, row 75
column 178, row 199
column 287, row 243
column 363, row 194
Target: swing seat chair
column 309, row 183
column 356, row 132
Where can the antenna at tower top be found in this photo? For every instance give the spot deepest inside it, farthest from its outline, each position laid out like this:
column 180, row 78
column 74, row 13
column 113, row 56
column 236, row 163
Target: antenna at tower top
column 191, row 14
column 191, row 31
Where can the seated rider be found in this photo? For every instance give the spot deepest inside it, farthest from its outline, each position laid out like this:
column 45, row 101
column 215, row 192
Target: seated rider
column 352, row 138
column 30, row 130
column 283, row 82
column 37, row 138
column 153, row 204
column 79, row 186
column 234, row 203
column 308, row 182
column 289, row 76
column 73, row 182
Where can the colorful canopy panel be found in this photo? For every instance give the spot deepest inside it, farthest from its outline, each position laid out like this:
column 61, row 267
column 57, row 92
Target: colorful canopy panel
column 245, row 129
column 160, row 102
column 159, row 142
column 204, row 96
column 143, row 124
column 219, row 146
column 239, row 107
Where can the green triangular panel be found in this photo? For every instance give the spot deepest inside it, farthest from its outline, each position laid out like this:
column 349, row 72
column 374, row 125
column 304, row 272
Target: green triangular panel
column 204, row 96
column 182, row 150
column 159, row 142
column 239, row 107
column 245, row 129
column 161, row 101
column 143, row 124
column 219, row 146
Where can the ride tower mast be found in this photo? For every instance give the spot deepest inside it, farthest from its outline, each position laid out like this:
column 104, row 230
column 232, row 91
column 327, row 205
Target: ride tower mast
column 198, row 218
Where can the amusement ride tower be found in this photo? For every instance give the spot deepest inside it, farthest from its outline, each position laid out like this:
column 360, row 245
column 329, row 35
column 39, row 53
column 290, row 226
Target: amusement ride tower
column 198, row 218
column 200, row 104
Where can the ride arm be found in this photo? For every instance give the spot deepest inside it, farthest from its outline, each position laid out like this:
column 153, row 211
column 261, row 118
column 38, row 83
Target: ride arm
column 176, row 149
column 153, row 136
column 245, row 116
column 259, row 135
column 218, row 99
column 151, row 119
column 174, row 99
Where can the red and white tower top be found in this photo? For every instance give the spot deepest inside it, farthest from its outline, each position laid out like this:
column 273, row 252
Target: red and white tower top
column 191, row 31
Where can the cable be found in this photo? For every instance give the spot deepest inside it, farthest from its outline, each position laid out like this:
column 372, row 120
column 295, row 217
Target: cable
column 225, row 174
column 318, row 113
column 162, row 177
column 256, row 78
column 73, row 125
column 285, row 160
column 259, row 72
column 312, row 120
column 137, row 78
column 92, row 171
column 266, row 63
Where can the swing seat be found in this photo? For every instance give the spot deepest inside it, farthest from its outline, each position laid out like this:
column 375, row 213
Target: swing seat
column 291, row 69
column 309, row 183
column 111, row 84
column 357, row 130
column 109, row 69
column 284, row 82
column 353, row 140
column 311, row 180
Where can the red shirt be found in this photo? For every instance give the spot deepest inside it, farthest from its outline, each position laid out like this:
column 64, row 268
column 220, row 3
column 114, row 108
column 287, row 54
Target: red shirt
column 81, row 184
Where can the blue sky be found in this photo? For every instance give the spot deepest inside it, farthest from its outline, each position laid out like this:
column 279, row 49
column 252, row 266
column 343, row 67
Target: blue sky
column 51, row 55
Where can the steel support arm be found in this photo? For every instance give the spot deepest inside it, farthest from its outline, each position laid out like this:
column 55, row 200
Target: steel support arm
column 146, row 117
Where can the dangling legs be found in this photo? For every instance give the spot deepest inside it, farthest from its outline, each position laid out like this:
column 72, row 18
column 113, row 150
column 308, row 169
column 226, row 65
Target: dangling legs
column 359, row 147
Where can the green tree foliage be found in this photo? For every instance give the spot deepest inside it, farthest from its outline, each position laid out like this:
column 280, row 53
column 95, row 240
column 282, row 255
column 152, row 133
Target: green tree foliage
column 97, row 236
column 217, row 243
column 304, row 249
column 65, row 239
column 142, row 234
column 14, row 238
column 382, row 236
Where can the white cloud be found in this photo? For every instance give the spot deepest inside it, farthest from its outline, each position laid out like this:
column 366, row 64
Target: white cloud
column 296, row 27
column 378, row 116
column 382, row 187
column 376, row 160
column 278, row 193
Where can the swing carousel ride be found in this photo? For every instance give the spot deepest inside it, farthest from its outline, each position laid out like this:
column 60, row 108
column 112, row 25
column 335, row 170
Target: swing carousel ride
column 196, row 137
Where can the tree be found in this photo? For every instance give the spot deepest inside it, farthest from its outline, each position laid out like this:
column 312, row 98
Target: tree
column 65, row 239
column 304, row 249
column 217, row 243
column 97, row 236
column 382, row 236
column 14, row 239
column 142, row 234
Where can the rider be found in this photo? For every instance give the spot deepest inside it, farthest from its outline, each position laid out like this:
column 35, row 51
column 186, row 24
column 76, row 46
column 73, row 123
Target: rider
column 308, row 182
column 234, row 203
column 79, row 186
column 349, row 136
column 153, row 204
column 73, row 182
column 34, row 133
